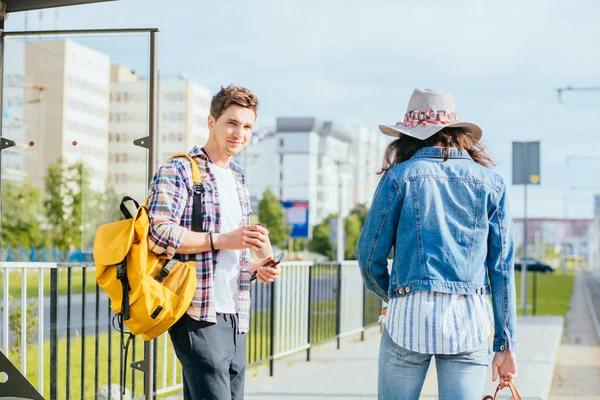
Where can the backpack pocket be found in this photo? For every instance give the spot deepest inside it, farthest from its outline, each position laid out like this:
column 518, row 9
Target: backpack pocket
column 149, row 305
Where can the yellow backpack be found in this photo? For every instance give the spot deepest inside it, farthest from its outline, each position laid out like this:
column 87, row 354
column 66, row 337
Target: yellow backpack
column 149, row 293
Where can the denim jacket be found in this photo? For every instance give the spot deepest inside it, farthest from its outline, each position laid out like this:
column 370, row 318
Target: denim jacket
column 450, row 228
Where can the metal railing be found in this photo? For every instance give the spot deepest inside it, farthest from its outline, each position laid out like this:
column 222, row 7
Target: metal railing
column 56, row 325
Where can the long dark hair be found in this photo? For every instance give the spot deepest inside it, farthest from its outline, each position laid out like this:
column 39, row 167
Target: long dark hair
column 406, row 146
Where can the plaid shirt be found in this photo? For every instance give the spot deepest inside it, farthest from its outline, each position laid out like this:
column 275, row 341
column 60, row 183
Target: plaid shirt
column 170, row 210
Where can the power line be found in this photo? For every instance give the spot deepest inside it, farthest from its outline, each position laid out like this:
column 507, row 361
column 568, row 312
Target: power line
column 569, row 88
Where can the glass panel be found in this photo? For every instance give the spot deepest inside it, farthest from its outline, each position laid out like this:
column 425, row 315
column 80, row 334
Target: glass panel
column 74, row 106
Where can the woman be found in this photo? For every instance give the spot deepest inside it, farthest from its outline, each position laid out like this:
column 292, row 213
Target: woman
column 445, row 216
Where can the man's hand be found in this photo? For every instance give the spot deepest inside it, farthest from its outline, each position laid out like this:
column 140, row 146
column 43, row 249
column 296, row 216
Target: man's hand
column 265, row 274
column 246, row 237
column 505, row 366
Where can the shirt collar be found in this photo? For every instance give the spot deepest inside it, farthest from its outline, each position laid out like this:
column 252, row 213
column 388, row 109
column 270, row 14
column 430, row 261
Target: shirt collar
column 197, row 152
column 439, row 152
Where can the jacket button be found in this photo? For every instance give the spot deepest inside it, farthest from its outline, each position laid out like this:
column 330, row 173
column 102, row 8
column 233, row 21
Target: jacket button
column 400, row 291
column 502, row 348
column 407, row 289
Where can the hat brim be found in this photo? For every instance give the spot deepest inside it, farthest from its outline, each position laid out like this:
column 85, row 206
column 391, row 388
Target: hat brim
column 423, row 132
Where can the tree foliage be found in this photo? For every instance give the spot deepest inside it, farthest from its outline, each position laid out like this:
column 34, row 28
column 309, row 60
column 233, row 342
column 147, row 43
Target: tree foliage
column 22, row 215
column 271, row 215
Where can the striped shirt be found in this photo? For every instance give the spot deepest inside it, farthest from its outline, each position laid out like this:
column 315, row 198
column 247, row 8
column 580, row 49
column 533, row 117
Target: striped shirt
column 170, row 210
column 439, row 323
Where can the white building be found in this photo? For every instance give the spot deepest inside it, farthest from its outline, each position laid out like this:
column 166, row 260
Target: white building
column 13, row 158
column 68, row 116
column 329, row 165
column 183, row 110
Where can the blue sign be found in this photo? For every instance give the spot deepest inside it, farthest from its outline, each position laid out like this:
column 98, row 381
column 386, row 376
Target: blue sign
column 296, row 216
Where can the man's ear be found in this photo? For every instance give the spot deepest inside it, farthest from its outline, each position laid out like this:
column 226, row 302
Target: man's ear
column 211, row 122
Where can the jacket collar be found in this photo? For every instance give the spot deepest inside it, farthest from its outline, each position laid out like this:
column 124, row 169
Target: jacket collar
column 438, row 152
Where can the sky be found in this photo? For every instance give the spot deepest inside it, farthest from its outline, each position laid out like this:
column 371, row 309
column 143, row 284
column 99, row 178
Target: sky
column 358, row 62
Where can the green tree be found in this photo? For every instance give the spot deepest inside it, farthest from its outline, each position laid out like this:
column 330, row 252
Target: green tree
column 14, row 326
column 22, row 215
column 361, row 211
column 65, row 184
column 73, row 209
column 353, row 224
column 271, row 214
column 320, row 238
column 352, row 227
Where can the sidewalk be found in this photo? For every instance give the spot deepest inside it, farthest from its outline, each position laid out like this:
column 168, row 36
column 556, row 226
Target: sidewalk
column 577, row 371
column 351, row 372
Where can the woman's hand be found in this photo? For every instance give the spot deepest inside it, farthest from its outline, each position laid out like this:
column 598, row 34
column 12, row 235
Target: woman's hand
column 265, row 273
column 505, row 366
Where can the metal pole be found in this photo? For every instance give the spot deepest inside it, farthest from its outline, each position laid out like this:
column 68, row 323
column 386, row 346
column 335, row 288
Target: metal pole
column 308, row 323
column 152, row 119
column 524, row 260
column 340, row 217
column 535, row 278
column 338, row 305
column 54, row 333
column 79, row 32
column 1, row 86
column 272, row 323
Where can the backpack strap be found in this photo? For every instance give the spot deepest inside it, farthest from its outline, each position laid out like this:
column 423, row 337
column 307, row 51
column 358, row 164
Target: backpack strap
column 198, row 190
column 196, row 174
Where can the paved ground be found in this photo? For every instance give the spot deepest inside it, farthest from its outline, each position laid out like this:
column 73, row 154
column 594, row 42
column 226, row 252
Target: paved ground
column 554, row 364
column 351, row 372
column 577, row 371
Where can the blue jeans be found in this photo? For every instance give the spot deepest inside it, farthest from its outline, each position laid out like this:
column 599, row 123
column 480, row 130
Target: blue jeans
column 402, row 372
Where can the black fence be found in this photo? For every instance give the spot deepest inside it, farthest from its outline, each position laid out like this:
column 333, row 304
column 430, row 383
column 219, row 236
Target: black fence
column 85, row 354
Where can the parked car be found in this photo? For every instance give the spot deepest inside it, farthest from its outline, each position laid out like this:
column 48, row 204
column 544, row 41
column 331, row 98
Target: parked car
column 533, row 265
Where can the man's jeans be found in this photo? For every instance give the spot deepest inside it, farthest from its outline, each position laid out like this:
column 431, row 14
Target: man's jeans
column 402, row 372
column 212, row 356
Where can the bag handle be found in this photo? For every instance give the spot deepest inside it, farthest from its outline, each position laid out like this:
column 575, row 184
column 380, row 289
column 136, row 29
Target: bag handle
column 513, row 391
column 124, row 210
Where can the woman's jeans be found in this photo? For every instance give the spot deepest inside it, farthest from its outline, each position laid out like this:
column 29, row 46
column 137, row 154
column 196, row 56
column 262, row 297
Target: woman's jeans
column 402, row 372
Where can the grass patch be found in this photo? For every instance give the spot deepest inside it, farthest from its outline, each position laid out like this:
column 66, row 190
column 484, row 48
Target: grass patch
column 259, row 333
column 72, row 380
column 553, row 293
column 15, row 278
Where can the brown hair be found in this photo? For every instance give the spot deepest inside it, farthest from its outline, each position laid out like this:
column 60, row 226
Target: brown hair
column 231, row 95
column 406, row 146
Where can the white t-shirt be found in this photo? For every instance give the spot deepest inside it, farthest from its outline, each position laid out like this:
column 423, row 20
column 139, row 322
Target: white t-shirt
column 228, row 264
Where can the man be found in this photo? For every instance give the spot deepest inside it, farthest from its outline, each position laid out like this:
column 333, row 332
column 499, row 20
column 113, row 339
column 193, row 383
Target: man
column 210, row 340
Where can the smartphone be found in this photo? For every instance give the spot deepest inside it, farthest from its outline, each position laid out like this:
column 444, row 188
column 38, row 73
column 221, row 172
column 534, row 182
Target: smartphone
column 277, row 261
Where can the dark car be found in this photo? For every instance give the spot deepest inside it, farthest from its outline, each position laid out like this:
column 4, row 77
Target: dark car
column 533, row 265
